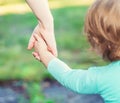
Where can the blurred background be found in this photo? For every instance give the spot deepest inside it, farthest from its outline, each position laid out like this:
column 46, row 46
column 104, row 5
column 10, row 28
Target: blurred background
column 22, row 78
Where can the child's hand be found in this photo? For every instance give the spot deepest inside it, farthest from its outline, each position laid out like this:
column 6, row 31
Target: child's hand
column 41, row 49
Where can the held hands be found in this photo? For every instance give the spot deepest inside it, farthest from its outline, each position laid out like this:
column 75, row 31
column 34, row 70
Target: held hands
column 48, row 37
column 41, row 51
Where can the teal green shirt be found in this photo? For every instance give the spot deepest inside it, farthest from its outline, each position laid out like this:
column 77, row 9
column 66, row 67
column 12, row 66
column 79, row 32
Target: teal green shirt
column 104, row 80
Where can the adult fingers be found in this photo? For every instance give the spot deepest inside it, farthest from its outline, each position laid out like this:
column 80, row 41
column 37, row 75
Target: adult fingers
column 32, row 39
column 31, row 42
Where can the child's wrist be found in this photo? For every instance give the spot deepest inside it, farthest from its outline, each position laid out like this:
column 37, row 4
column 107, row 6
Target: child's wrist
column 47, row 58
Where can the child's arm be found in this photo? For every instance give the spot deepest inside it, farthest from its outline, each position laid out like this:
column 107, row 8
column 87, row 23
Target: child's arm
column 81, row 81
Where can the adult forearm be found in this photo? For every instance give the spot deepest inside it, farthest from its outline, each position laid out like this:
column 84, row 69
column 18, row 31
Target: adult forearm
column 41, row 10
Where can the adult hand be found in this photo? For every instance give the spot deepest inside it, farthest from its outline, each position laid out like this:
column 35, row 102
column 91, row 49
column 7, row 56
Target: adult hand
column 47, row 36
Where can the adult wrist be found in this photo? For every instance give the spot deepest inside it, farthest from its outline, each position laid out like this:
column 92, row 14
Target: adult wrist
column 47, row 19
column 48, row 24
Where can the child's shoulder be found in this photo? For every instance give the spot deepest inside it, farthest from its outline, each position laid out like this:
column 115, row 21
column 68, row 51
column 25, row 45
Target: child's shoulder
column 110, row 65
column 106, row 68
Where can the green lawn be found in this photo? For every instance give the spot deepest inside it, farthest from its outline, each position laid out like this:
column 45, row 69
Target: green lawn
column 16, row 62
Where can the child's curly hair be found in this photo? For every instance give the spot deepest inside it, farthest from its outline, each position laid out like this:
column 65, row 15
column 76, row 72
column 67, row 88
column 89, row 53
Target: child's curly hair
column 102, row 27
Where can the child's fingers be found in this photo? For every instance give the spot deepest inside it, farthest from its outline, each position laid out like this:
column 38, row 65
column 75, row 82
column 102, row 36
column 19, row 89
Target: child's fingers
column 37, row 58
column 36, row 55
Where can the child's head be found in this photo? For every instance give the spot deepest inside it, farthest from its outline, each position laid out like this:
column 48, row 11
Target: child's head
column 102, row 27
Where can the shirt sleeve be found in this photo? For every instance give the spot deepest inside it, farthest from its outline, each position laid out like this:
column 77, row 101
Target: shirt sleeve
column 81, row 81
